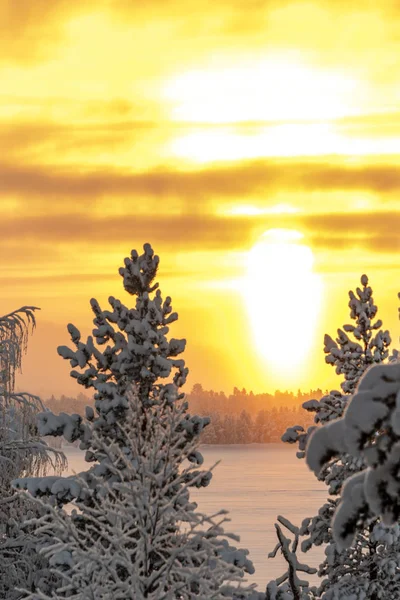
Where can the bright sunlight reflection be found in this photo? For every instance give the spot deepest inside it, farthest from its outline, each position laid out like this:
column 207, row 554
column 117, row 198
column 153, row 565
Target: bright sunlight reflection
column 283, row 298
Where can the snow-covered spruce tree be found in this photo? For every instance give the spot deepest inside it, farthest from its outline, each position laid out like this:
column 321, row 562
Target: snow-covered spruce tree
column 22, row 452
column 129, row 347
column 369, row 430
column 370, row 345
column 137, row 355
column 352, row 573
column 142, row 538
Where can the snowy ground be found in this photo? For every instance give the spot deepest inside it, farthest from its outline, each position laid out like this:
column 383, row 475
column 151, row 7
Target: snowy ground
column 255, row 483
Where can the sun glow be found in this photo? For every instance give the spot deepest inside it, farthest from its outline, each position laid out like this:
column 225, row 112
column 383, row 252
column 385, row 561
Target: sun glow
column 249, row 210
column 273, row 88
column 283, row 298
column 275, row 140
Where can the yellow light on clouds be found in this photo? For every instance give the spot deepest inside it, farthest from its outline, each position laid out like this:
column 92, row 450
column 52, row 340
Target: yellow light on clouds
column 283, row 299
column 306, row 139
column 277, row 140
column 254, row 211
column 273, row 88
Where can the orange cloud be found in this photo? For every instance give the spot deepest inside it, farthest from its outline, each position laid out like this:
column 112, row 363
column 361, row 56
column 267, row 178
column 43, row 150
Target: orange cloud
column 230, row 180
column 29, row 31
column 373, row 231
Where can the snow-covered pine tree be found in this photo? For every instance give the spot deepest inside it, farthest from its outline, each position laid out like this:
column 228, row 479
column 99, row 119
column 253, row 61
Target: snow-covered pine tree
column 356, row 572
column 369, row 430
column 370, row 345
column 22, row 452
column 129, row 346
column 137, row 356
column 142, row 538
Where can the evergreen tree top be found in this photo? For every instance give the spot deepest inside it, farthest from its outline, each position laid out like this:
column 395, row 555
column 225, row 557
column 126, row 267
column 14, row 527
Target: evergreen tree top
column 140, row 271
column 350, row 356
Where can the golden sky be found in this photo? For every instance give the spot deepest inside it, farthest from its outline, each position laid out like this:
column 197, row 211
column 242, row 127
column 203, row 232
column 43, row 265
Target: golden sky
column 200, row 127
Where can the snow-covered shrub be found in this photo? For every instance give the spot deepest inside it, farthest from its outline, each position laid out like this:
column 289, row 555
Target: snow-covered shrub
column 22, row 452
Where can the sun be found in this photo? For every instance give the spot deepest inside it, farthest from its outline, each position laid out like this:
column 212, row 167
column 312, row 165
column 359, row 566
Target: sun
column 283, row 297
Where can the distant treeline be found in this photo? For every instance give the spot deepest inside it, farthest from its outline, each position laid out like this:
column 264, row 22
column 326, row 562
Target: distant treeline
column 239, row 418
column 205, row 402
column 245, row 418
column 267, row 426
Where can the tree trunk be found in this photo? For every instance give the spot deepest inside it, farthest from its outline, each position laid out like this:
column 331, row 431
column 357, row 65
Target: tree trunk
column 373, row 568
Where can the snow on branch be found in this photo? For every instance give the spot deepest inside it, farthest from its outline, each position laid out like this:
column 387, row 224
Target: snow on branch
column 360, row 345
column 140, row 271
column 289, row 582
column 370, row 429
column 324, row 444
column 22, row 453
column 14, row 332
column 138, row 351
column 137, row 535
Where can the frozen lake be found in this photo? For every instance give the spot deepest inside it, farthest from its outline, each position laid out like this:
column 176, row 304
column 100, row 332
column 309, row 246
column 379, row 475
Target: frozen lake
column 255, row 483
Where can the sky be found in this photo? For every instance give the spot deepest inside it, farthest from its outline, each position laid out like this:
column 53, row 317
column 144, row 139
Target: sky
column 255, row 144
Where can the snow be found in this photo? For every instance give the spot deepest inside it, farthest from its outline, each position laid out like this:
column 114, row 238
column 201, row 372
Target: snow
column 249, row 484
column 367, row 430
column 63, row 424
column 325, row 443
column 353, row 502
column 363, row 412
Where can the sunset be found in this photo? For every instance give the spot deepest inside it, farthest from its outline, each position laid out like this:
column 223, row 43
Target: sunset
column 198, row 130
column 255, row 145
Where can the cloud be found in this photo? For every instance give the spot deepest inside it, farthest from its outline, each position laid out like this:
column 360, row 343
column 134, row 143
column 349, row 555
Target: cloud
column 18, row 280
column 178, row 231
column 34, row 137
column 34, row 31
column 375, row 231
column 228, row 181
column 30, row 31
column 193, row 232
